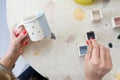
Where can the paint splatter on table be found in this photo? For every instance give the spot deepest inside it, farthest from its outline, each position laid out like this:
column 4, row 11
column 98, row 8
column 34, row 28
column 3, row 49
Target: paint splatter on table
column 117, row 76
column 79, row 14
column 71, row 38
column 36, row 53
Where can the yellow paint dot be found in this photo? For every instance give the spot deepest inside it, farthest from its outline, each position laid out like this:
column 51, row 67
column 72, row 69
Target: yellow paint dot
column 117, row 76
column 79, row 14
column 36, row 53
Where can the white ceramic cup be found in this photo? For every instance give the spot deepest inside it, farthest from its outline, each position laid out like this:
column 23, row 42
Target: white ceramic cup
column 36, row 26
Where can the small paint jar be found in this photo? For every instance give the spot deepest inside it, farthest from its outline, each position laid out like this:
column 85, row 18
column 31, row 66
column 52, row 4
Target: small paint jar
column 116, row 22
column 85, row 2
column 96, row 15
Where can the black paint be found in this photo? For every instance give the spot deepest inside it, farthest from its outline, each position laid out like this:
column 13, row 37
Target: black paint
column 118, row 37
column 110, row 45
column 90, row 35
column 53, row 36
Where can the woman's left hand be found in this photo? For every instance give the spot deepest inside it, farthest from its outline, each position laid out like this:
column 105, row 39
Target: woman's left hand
column 19, row 40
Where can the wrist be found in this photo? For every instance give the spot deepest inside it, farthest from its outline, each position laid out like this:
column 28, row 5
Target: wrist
column 12, row 55
column 8, row 61
column 13, row 52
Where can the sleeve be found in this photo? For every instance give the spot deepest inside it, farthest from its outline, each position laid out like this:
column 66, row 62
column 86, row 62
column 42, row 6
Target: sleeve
column 4, row 68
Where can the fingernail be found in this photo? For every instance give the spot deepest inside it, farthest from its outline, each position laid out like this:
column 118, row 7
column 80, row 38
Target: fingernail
column 87, row 42
column 91, row 38
column 24, row 31
column 25, row 43
column 17, row 34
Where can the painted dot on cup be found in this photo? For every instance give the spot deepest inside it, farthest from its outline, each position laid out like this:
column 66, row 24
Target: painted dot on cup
column 34, row 22
column 38, row 31
column 110, row 45
column 33, row 27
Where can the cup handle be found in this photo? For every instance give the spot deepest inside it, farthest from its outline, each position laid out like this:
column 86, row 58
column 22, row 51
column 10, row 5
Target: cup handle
column 18, row 25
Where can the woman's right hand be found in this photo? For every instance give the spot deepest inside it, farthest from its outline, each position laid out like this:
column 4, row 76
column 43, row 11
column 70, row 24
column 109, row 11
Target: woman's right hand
column 98, row 61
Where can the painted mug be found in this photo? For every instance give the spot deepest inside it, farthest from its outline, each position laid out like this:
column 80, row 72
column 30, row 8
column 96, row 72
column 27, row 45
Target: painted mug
column 36, row 26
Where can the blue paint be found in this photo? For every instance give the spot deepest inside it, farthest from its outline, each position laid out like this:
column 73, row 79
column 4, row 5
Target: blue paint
column 83, row 49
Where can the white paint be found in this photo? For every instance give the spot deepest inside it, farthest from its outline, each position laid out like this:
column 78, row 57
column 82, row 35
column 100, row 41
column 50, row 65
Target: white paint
column 96, row 15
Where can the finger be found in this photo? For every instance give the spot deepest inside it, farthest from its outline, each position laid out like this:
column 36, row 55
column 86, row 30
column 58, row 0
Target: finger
column 27, row 38
column 91, row 47
column 18, row 30
column 89, row 50
column 109, row 59
column 95, row 54
column 25, row 42
column 94, row 43
column 95, row 51
column 103, row 56
column 22, row 36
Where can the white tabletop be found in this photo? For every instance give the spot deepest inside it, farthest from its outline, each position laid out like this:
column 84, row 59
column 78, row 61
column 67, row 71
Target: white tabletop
column 59, row 58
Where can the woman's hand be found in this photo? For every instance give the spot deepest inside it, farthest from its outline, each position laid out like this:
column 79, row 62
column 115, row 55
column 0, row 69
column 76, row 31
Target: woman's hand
column 98, row 61
column 19, row 39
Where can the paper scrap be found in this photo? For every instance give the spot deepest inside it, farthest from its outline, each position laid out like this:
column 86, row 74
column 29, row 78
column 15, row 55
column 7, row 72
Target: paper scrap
column 36, row 53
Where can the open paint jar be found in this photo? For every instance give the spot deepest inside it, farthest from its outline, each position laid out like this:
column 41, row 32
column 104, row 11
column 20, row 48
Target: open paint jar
column 116, row 22
column 96, row 15
column 85, row 2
